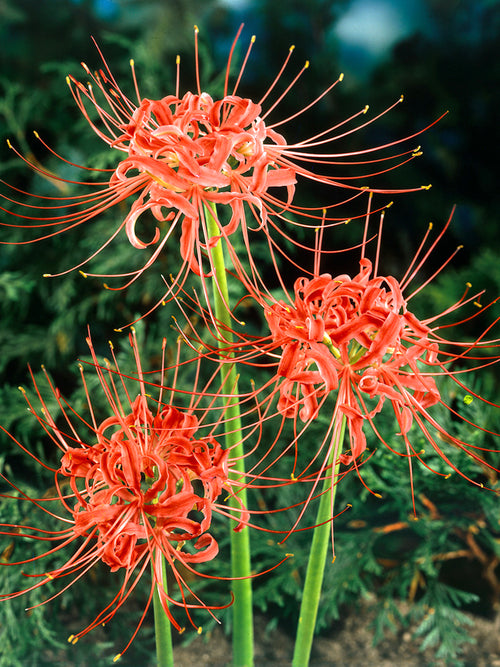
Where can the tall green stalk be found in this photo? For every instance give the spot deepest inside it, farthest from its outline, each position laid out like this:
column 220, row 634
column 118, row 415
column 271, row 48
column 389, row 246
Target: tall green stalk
column 316, row 564
column 240, row 542
column 163, row 629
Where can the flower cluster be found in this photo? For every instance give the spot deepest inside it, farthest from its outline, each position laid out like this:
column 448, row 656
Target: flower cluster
column 186, row 154
column 355, row 332
column 140, row 486
column 140, row 489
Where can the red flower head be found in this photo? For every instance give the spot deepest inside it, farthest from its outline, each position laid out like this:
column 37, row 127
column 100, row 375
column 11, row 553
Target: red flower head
column 179, row 155
column 142, row 487
column 356, row 340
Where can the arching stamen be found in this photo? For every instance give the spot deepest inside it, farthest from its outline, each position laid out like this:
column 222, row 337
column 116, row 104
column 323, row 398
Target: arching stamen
column 242, row 68
column 196, row 59
column 230, row 57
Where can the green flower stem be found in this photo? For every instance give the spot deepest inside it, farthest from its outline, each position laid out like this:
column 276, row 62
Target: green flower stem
column 240, row 542
column 316, row 565
column 163, row 629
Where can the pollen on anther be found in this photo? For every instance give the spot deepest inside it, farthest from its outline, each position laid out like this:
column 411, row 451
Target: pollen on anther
column 401, row 98
column 117, row 657
column 292, row 47
column 341, row 76
column 426, row 187
column 47, row 275
column 82, row 274
column 469, row 285
column 366, row 108
column 199, row 630
column 132, row 62
column 306, row 64
column 196, row 29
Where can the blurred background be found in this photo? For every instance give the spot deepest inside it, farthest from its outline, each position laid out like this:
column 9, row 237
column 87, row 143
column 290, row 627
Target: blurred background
column 442, row 55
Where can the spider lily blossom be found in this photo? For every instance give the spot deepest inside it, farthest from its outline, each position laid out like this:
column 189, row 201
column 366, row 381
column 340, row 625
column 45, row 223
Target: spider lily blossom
column 179, row 156
column 355, row 341
column 140, row 488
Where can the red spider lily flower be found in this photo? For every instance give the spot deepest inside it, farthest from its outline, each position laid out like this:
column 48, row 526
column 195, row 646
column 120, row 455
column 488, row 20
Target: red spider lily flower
column 140, row 488
column 354, row 340
column 179, row 156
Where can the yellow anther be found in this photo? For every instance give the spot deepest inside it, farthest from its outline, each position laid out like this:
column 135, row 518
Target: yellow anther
column 132, row 63
column 68, row 81
column 292, row 47
column 448, row 476
column 476, row 303
column 401, row 98
column 417, row 154
column 74, row 640
column 459, row 247
column 82, row 274
column 118, row 330
column 105, row 285
column 111, row 345
column 85, row 67
column 469, row 285
column 47, row 275
column 70, row 638
column 426, row 187
column 390, row 204
column 366, row 108
column 341, row 76
column 252, row 39
column 306, row 64
column 117, row 657
column 377, row 495
column 200, row 630
column 431, row 225
column 177, row 60
column 196, row 29
column 22, row 389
